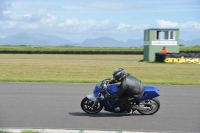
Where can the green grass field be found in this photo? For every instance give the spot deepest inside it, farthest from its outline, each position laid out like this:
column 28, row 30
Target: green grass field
column 92, row 68
column 65, row 48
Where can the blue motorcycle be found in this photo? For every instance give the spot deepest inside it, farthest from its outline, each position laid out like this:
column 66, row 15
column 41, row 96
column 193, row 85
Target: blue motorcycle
column 95, row 102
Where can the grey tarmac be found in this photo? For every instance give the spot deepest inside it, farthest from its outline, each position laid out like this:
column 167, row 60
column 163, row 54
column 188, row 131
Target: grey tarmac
column 56, row 106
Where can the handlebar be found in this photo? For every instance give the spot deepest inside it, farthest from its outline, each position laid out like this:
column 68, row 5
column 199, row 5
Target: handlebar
column 103, row 85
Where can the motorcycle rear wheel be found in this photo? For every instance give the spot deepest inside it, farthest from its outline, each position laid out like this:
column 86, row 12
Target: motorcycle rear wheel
column 86, row 105
column 152, row 105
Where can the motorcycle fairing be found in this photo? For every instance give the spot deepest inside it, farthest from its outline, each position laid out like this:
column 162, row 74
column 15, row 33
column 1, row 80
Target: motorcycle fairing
column 113, row 88
column 109, row 105
column 91, row 97
column 96, row 91
column 150, row 92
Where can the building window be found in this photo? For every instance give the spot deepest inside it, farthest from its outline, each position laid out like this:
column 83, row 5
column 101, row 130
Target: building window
column 146, row 35
column 172, row 35
column 165, row 35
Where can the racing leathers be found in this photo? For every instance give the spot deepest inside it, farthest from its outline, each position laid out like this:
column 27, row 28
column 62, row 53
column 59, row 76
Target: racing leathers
column 130, row 90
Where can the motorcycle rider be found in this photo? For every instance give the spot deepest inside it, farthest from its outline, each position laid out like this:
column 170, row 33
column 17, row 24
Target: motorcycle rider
column 130, row 90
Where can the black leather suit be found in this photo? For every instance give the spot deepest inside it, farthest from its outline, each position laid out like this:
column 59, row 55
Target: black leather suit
column 130, row 88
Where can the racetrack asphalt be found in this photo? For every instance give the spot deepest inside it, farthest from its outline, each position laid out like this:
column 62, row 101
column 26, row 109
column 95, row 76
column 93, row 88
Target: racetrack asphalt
column 57, row 106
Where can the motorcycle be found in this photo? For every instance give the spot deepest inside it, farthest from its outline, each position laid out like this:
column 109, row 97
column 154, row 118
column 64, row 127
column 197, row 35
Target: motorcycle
column 94, row 103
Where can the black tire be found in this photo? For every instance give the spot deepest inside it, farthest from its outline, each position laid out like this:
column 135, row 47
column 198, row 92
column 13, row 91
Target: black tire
column 149, row 104
column 86, row 106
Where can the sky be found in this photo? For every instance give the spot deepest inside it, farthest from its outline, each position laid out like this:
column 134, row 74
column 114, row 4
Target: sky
column 78, row 20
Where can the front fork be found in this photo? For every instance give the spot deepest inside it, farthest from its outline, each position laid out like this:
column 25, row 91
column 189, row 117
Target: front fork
column 94, row 103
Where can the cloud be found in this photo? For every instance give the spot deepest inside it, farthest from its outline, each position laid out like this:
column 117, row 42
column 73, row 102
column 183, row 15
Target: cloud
column 191, row 24
column 27, row 16
column 3, row 6
column 108, row 5
column 189, row 30
column 166, row 24
column 48, row 18
column 72, row 7
column 122, row 27
column 82, row 25
column 186, row 25
column 44, row 18
column 20, row 5
column 147, row 6
column 5, row 14
column 41, row 19
column 7, row 24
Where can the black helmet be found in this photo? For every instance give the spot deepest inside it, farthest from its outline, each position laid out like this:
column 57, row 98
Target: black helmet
column 118, row 74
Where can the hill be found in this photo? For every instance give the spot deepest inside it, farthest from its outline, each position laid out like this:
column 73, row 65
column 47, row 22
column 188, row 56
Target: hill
column 39, row 39
column 35, row 39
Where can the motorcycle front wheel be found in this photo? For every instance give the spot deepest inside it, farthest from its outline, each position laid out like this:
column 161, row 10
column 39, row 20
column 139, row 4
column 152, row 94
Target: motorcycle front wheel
column 86, row 105
column 151, row 105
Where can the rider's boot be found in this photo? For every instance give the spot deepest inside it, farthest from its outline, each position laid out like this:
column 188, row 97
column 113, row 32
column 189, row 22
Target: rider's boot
column 130, row 112
column 129, row 109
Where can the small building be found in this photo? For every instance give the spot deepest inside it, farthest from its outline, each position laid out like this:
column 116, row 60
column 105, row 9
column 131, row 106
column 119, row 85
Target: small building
column 157, row 38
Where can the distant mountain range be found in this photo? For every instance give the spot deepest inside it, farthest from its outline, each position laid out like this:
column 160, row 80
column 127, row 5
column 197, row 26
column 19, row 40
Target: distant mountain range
column 52, row 40
column 190, row 42
column 34, row 39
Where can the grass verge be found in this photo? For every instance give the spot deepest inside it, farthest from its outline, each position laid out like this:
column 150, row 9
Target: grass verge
column 92, row 68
